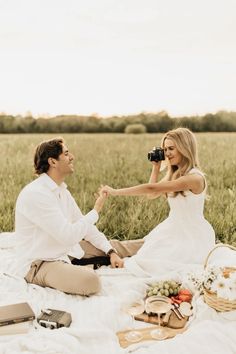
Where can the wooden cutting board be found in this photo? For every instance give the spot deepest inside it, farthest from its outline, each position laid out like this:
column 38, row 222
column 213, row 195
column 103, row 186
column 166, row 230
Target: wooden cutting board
column 173, row 322
column 146, row 332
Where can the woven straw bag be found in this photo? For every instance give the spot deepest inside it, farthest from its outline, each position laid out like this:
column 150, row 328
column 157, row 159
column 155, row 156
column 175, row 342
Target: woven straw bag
column 210, row 298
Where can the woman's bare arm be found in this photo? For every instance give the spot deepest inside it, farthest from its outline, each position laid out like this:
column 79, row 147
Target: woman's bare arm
column 191, row 182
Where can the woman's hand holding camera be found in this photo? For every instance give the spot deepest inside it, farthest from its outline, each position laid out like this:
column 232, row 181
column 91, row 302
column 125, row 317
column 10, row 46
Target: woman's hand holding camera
column 156, row 163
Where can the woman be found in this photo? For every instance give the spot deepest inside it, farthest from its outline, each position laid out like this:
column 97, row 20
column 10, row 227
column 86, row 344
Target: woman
column 185, row 237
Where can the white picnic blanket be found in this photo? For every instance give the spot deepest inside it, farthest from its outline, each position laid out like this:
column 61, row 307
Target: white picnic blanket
column 96, row 319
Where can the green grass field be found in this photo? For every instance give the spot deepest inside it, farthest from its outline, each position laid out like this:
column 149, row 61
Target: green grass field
column 121, row 160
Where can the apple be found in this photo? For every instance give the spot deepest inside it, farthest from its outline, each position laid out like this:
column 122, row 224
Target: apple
column 186, row 298
column 185, row 292
column 185, row 295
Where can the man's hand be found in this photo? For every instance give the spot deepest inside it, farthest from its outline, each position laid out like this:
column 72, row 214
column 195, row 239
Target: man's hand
column 116, row 261
column 101, row 197
column 108, row 190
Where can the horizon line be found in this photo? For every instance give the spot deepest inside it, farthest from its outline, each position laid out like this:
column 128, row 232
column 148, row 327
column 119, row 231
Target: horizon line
column 97, row 115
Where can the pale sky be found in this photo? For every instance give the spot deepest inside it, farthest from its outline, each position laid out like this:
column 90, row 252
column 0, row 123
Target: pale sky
column 117, row 56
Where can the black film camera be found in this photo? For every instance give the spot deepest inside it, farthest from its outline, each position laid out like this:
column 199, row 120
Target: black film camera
column 52, row 319
column 156, row 154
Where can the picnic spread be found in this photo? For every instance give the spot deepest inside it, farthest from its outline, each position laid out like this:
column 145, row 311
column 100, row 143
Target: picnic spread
column 99, row 324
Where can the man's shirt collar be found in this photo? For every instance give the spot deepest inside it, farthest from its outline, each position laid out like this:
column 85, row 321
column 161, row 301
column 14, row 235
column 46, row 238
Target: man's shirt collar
column 51, row 184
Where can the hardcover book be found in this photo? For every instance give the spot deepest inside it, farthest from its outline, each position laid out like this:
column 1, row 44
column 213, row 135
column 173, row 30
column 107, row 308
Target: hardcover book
column 16, row 313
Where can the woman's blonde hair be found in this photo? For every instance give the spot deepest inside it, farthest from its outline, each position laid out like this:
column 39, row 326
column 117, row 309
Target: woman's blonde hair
column 186, row 144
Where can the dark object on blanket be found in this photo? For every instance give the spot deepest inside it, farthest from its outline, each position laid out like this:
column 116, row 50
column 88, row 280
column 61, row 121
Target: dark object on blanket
column 96, row 261
column 51, row 318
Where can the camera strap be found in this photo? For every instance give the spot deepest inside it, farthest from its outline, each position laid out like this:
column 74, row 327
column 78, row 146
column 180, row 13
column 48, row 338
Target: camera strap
column 96, row 261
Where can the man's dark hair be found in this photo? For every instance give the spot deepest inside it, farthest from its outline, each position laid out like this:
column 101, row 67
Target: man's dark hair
column 50, row 148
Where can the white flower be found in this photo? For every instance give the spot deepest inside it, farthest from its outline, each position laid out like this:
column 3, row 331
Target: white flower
column 207, row 284
column 220, row 283
column 213, row 279
column 195, row 281
column 232, row 295
column 232, row 276
column 224, row 293
column 223, row 287
column 231, row 283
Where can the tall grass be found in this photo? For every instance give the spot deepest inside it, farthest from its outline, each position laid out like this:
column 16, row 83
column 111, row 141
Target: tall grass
column 121, row 160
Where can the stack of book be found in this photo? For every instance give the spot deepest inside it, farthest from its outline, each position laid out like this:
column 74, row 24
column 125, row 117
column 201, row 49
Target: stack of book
column 16, row 318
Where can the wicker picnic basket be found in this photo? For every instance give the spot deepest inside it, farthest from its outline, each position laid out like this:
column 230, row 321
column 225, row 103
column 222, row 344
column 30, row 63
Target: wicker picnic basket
column 210, row 298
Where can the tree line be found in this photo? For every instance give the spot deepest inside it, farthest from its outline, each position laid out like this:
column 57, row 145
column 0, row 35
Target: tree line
column 222, row 121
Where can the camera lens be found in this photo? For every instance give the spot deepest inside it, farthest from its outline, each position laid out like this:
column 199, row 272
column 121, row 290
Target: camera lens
column 157, row 154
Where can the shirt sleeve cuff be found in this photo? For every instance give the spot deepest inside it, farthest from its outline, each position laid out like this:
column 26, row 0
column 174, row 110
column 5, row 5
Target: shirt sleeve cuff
column 107, row 247
column 91, row 217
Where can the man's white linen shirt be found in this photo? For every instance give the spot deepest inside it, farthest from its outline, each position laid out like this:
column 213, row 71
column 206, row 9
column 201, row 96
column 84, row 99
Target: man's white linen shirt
column 49, row 225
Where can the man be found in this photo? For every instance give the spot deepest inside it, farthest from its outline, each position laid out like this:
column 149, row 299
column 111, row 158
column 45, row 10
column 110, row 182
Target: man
column 50, row 226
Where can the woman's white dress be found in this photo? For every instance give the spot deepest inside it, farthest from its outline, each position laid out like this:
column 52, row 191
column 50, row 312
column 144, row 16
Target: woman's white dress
column 184, row 238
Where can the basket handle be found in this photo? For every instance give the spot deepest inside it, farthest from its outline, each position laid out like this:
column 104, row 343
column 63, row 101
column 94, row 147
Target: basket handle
column 218, row 246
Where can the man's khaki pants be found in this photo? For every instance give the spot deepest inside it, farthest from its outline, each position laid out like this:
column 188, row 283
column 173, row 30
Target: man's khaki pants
column 74, row 279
